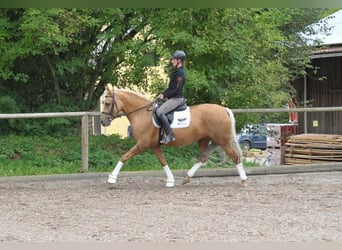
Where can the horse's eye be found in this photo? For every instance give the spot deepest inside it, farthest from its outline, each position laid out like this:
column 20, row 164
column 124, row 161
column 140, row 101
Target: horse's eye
column 107, row 104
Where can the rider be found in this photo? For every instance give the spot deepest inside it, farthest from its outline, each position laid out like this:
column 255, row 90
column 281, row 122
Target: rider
column 174, row 93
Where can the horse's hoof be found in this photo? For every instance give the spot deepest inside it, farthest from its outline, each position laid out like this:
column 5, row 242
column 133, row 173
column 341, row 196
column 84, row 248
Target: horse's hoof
column 244, row 183
column 170, row 183
column 186, row 180
column 112, row 179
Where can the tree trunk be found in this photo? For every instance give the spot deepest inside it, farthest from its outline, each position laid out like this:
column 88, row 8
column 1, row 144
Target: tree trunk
column 55, row 81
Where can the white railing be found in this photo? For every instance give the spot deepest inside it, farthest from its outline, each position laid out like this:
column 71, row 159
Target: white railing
column 85, row 121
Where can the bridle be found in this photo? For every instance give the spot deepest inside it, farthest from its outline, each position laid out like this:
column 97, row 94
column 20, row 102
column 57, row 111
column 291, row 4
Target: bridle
column 120, row 114
column 114, row 105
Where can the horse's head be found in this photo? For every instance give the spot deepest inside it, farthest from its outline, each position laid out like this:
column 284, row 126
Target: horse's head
column 111, row 109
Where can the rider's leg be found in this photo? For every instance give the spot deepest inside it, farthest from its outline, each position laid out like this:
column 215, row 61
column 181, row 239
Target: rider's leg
column 166, row 107
column 169, row 133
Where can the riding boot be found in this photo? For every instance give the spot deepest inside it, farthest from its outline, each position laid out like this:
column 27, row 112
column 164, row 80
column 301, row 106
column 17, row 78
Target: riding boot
column 168, row 131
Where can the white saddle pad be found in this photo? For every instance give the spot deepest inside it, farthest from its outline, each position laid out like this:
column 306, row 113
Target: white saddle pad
column 181, row 119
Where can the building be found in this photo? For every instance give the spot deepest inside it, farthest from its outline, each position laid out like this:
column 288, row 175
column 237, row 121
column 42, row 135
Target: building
column 322, row 85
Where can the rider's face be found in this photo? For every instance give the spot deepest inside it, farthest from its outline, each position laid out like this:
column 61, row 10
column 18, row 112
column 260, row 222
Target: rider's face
column 174, row 62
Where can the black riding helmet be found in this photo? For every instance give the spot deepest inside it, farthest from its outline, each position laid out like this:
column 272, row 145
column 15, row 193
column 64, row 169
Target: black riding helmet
column 179, row 54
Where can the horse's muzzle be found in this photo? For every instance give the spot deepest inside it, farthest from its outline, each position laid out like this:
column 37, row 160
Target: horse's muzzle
column 106, row 122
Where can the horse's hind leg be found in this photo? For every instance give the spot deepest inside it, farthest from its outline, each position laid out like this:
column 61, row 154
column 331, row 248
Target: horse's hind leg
column 205, row 152
column 235, row 154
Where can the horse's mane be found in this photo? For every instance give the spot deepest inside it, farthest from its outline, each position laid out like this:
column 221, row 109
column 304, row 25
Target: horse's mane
column 135, row 94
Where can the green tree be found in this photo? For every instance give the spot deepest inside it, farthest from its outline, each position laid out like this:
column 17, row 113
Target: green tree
column 67, row 56
column 61, row 59
column 241, row 58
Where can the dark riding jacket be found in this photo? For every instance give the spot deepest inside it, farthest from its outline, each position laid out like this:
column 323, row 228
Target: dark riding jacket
column 176, row 84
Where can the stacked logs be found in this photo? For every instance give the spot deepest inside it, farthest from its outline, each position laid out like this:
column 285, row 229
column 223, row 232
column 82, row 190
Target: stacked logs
column 313, row 148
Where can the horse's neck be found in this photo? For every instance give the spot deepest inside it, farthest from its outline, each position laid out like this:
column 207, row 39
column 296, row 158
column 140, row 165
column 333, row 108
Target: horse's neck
column 132, row 102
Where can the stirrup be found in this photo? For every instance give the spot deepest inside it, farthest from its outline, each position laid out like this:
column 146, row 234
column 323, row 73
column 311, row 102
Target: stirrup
column 167, row 139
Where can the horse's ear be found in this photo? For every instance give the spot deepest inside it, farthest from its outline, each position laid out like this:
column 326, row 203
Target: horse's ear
column 107, row 88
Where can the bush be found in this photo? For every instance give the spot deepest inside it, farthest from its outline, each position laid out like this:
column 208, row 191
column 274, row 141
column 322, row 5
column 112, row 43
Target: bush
column 32, row 155
column 44, row 154
column 8, row 106
column 46, row 126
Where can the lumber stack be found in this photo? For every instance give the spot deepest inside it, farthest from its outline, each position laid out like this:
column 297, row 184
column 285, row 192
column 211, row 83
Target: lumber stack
column 313, row 148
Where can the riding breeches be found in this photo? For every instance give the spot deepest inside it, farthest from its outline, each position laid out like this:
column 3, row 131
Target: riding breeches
column 169, row 105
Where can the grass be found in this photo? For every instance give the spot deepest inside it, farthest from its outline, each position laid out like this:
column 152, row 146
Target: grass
column 37, row 155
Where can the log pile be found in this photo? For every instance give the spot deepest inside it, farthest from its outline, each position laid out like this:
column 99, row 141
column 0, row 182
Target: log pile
column 313, row 148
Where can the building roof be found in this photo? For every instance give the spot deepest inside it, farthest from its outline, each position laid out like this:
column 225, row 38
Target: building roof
column 334, row 35
column 327, row 52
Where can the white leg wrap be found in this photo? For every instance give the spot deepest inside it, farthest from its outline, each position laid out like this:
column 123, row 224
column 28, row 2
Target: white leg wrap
column 194, row 168
column 168, row 172
column 170, row 180
column 114, row 175
column 241, row 171
column 170, row 183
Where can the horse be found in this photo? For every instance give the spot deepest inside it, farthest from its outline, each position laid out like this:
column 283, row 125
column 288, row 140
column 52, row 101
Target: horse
column 211, row 125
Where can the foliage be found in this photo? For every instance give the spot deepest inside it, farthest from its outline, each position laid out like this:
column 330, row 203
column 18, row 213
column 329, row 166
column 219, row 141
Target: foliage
column 33, row 155
column 67, row 56
column 247, row 61
column 37, row 155
column 7, row 106
column 61, row 59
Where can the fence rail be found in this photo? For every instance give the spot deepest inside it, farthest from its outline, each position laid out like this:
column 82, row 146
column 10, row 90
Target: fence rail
column 84, row 127
column 85, row 121
column 47, row 115
column 287, row 110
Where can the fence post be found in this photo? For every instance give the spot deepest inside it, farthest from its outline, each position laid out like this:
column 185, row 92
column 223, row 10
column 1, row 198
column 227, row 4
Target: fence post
column 85, row 142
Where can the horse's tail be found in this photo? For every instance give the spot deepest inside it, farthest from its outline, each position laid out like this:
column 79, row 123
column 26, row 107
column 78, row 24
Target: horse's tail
column 233, row 140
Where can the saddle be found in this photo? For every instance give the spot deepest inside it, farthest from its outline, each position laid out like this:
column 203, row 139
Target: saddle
column 178, row 118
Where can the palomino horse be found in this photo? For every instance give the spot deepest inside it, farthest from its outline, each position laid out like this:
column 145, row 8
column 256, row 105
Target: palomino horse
column 209, row 123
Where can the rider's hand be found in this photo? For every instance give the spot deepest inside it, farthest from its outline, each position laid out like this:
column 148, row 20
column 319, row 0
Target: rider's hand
column 161, row 96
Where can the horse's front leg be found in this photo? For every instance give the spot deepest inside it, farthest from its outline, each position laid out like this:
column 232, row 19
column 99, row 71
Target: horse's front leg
column 170, row 180
column 112, row 178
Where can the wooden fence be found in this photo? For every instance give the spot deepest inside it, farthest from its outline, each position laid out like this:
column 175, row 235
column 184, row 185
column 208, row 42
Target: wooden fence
column 85, row 121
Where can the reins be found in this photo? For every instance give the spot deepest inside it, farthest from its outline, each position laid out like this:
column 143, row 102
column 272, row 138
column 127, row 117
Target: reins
column 138, row 109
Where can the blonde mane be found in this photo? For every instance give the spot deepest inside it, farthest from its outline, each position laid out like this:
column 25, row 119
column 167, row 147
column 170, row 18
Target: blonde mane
column 138, row 95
